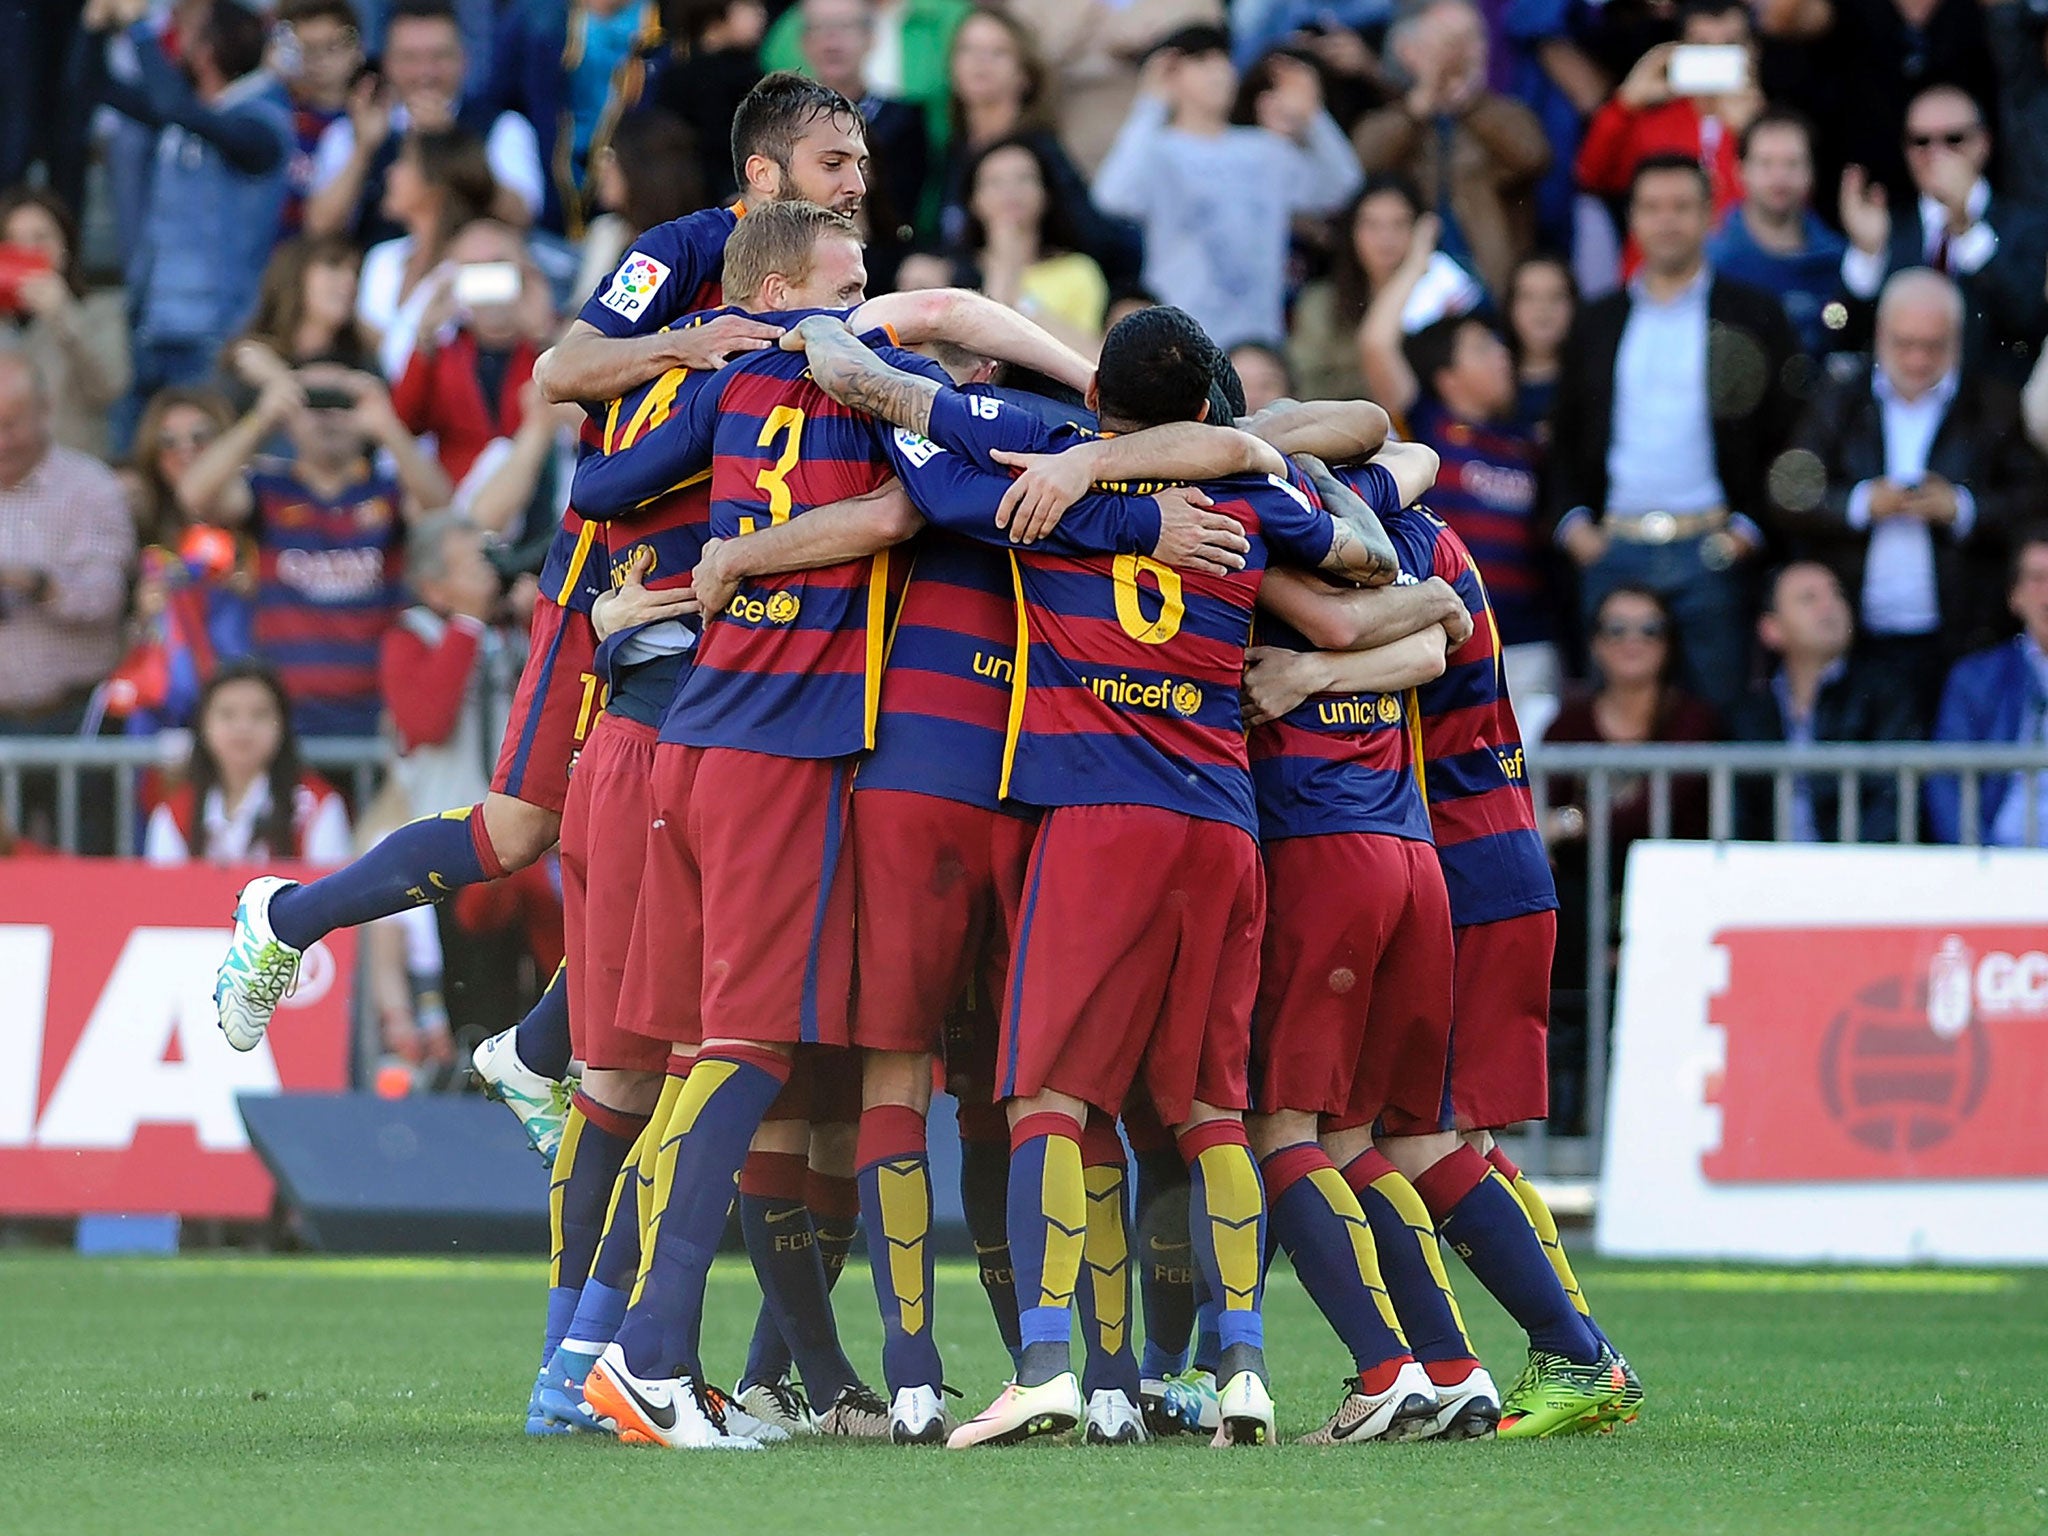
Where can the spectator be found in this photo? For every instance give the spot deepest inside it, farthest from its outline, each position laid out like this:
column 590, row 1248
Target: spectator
column 1672, row 402
column 1477, row 154
column 1991, row 244
column 177, row 425
column 1127, row 300
column 648, row 174
column 1262, row 370
column 321, row 56
column 440, row 182
column 1816, row 692
column 1093, row 50
column 246, row 799
column 1541, row 301
column 66, row 546
column 573, row 69
column 419, row 92
column 1648, row 116
column 716, row 62
column 2001, row 695
column 519, row 486
column 1216, row 200
column 1024, row 244
column 211, row 216
column 305, row 313
column 908, row 60
column 837, row 36
column 1773, row 239
column 329, row 526
column 1000, row 92
column 2019, row 49
column 79, row 340
column 1906, row 478
column 466, row 377
column 1375, row 235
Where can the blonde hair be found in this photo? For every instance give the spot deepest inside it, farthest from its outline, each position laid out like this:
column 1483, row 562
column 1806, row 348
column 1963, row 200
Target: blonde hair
column 778, row 238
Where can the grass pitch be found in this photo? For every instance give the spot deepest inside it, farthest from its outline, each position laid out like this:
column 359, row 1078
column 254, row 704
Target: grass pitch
column 231, row 1395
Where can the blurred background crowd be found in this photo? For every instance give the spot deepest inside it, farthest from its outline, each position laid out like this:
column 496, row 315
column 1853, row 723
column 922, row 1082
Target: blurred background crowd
column 1726, row 318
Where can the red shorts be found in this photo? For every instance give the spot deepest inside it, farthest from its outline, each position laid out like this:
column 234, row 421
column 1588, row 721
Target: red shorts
column 1354, row 1013
column 746, row 903
column 556, row 704
column 1137, row 951
column 1500, row 1021
column 936, row 893
column 604, row 829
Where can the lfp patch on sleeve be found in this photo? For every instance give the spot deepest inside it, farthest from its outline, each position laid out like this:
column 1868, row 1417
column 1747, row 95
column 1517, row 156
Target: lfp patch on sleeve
column 634, row 285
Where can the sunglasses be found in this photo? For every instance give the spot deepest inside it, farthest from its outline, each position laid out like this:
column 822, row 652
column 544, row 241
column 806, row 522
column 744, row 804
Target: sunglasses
column 1614, row 629
column 166, row 441
column 1954, row 139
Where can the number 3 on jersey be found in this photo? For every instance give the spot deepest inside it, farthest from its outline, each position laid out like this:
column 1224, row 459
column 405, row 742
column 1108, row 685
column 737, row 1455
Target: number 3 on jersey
column 1130, row 612
column 788, row 422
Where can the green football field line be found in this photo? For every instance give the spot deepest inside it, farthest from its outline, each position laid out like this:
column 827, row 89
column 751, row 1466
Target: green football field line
column 229, row 1395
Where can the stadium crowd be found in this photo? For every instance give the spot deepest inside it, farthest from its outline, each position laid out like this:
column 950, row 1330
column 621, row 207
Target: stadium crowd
column 1724, row 318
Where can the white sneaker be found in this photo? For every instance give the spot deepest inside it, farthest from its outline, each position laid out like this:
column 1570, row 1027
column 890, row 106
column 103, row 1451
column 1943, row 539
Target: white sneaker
column 1113, row 1419
column 744, row 1424
column 1405, row 1411
column 680, row 1412
column 1020, row 1413
column 779, row 1403
column 540, row 1103
column 1245, row 1408
column 1470, row 1410
column 857, row 1413
column 1187, row 1403
column 260, row 969
column 918, row 1417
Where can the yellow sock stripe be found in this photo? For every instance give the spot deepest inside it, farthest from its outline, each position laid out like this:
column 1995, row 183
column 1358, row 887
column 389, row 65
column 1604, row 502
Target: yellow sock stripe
column 1343, row 1204
column 1538, row 1212
column 705, row 1079
column 1400, row 1194
column 1063, row 1200
column 1232, row 1204
column 647, row 1153
column 906, row 1197
column 1107, row 1253
column 628, row 1181
column 558, row 1188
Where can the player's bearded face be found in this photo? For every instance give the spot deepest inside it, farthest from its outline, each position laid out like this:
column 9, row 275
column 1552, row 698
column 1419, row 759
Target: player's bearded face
column 828, row 167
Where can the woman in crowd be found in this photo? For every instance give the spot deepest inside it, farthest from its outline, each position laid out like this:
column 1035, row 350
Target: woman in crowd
column 79, row 340
column 176, row 427
column 306, row 313
column 1542, row 299
column 1025, row 245
column 440, row 182
column 246, row 798
column 648, row 174
column 1375, row 234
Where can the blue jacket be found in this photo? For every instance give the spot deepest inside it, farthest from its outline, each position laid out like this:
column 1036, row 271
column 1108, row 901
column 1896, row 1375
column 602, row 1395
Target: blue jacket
column 1805, row 284
column 1986, row 700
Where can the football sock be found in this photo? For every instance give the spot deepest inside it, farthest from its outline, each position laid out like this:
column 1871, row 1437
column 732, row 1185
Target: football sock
column 984, row 1195
column 834, row 1201
column 1048, row 1223
column 784, row 1248
column 1317, row 1221
column 419, row 862
column 770, row 1183
column 1412, row 1265
column 602, row 1301
column 542, row 1037
column 1227, row 1225
column 1478, row 1213
column 1104, row 1294
column 1166, row 1268
column 595, row 1144
column 1208, row 1348
column 896, row 1200
column 1538, row 1212
column 702, row 1148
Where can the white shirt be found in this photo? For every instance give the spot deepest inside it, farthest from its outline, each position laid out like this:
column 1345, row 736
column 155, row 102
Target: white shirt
column 1863, row 271
column 231, row 833
column 512, row 147
column 1660, row 453
column 1900, row 595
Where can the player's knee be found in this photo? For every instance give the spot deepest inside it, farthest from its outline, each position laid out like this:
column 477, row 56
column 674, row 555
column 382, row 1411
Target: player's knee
column 790, row 1136
column 1286, row 1128
column 1416, row 1155
column 897, row 1077
column 628, row 1092
column 1479, row 1141
column 520, row 832
column 1342, row 1146
column 834, row 1149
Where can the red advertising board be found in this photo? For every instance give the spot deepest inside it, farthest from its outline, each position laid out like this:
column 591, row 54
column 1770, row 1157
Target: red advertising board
column 1882, row 1053
column 117, row 1091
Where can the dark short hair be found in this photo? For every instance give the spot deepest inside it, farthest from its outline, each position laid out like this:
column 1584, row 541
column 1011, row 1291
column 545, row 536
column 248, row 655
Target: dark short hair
column 296, row 12
column 1659, row 165
column 657, row 156
column 236, row 37
column 1157, row 366
column 1709, row 8
column 1775, row 577
column 2029, row 536
column 422, row 10
column 1775, row 117
column 1435, row 347
column 1193, row 41
column 775, row 113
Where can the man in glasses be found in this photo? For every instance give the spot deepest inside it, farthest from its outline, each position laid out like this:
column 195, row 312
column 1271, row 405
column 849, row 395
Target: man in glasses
column 1991, row 244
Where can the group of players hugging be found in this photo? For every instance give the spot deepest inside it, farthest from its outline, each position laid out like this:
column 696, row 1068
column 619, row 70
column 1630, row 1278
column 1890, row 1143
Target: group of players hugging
column 916, row 736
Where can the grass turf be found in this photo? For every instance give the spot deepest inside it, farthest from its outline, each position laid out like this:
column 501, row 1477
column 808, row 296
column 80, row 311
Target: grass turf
column 229, row 1395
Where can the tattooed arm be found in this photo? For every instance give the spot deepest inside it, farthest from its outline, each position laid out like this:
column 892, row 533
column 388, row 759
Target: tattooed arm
column 844, row 367
column 1360, row 548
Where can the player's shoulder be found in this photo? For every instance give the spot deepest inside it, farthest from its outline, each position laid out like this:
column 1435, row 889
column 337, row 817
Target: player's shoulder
column 699, row 233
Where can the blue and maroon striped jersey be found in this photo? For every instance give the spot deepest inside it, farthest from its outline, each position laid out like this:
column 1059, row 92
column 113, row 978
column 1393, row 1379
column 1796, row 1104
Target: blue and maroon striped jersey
column 327, row 589
column 1474, row 775
column 672, row 270
column 1337, row 762
column 1486, row 490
